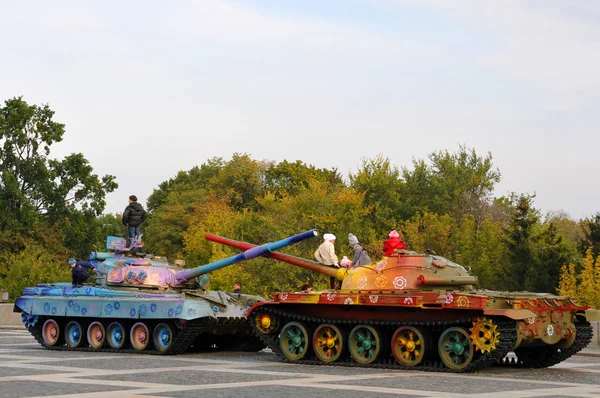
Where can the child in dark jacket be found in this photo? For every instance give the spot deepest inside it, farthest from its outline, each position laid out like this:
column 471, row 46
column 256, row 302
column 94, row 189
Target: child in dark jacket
column 79, row 273
column 393, row 243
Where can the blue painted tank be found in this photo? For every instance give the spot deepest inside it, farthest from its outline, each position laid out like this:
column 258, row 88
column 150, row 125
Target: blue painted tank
column 141, row 304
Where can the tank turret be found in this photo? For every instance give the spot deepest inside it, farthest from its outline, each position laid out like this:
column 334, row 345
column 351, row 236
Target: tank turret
column 142, row 304
column 119, row 269
column 431, row 309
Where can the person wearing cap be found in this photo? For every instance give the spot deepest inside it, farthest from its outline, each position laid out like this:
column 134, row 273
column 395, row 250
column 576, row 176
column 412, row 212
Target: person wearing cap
column 361, row 257
column 393, row 243
column 133, row 216
column 325, row 254
column 79, row 272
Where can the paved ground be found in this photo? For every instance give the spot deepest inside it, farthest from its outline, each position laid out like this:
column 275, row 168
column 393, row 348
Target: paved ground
column 27, row 370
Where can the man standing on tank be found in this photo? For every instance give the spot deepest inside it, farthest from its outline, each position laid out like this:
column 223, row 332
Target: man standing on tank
column 133, row 216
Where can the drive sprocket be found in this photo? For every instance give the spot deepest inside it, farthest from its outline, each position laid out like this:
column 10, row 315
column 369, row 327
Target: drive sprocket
column 484, row 335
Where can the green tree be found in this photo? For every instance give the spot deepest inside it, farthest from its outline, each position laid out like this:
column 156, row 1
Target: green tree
column 591, row 238
column 381, row 185
column 519, row 271
column 34, row 185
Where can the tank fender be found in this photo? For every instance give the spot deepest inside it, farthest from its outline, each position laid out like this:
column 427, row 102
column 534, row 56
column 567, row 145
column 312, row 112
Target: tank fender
column 510, row 313
column 592, row 315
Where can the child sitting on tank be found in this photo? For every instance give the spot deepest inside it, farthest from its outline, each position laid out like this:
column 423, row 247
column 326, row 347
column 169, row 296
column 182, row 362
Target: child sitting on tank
column 79, row 273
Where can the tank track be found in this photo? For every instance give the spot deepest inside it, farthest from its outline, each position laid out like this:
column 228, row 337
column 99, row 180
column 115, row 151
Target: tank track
column 506, row 327
column 546, row 356
column 183, row 340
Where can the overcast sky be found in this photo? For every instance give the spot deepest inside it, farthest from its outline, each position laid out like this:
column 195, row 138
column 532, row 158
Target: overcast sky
column 148, row 88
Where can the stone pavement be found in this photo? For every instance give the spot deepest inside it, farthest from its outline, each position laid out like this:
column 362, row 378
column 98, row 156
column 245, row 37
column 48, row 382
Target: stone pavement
column 27, row 370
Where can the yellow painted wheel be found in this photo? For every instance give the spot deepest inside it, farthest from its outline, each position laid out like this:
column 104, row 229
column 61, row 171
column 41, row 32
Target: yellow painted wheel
column 266, row 323
column 484, row 335
column 328, row 342
column 408, row 346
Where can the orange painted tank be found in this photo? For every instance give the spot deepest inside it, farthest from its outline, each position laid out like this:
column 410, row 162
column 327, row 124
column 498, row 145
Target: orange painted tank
column 417, row 311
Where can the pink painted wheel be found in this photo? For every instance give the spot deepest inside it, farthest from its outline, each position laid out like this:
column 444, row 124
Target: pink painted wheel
column 139, row 336
column 51, row 332
column 96, row 335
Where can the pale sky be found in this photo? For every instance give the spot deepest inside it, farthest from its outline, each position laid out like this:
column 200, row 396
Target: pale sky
column 148, row 88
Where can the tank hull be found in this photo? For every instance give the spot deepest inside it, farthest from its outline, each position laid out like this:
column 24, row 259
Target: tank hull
column 444, row 330
column 91, row 318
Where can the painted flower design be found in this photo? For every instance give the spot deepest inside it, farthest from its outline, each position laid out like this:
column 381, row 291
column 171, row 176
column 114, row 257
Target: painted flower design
column 108, row 309
column 381, row 281
column 84, row 311
column 408, row 301
column 283, row 296
column 399, row 282
column 143, row 309
column 381, row 265
column 550, row 330
column 178, row 309
column 449, row 298
column 93, row 308
column 331, row 296
column 117, row 305
column 462, row 301
column 373, row 298
column 362, row 282
column 46, row 306
column 70, row 303
column 53, row 311
column 531, row 321
column 132, row 312
column 170, row 313
column 153, row 307
column 348, row 301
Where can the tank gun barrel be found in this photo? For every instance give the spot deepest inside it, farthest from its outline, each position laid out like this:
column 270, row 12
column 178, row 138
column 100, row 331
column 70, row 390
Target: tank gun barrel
column 286, row 258
column 250, row 253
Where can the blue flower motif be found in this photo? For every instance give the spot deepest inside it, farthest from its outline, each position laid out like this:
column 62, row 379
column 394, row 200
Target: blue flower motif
column 191, row 312
column 143, row 310
column 215, row 309
column 83, row 311
column 76, row 308
column 53, row 312
column 178, row 309
column 117, row 305
column 170, row 312
column 108, row 309
column 70, row 303
column 132, row 312
column 46, row 306
column 88, row 291
column 153, row 307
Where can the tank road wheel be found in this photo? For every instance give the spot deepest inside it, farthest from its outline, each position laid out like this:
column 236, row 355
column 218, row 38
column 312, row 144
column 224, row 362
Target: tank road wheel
column 409, row 346
column 73, row 334
column 294, row 340
column 484, row 335
column 96, row 335
column 139, row 336
column 51, row 332
column 162, row 337
column 365, row 344
column 115, row 335
column 328, row 343
column 266, row 323
column 455, row 348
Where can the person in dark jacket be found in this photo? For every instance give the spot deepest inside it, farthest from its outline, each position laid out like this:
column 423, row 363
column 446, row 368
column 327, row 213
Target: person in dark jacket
column 393, row 243
column 133, row 216
column 79, row 273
